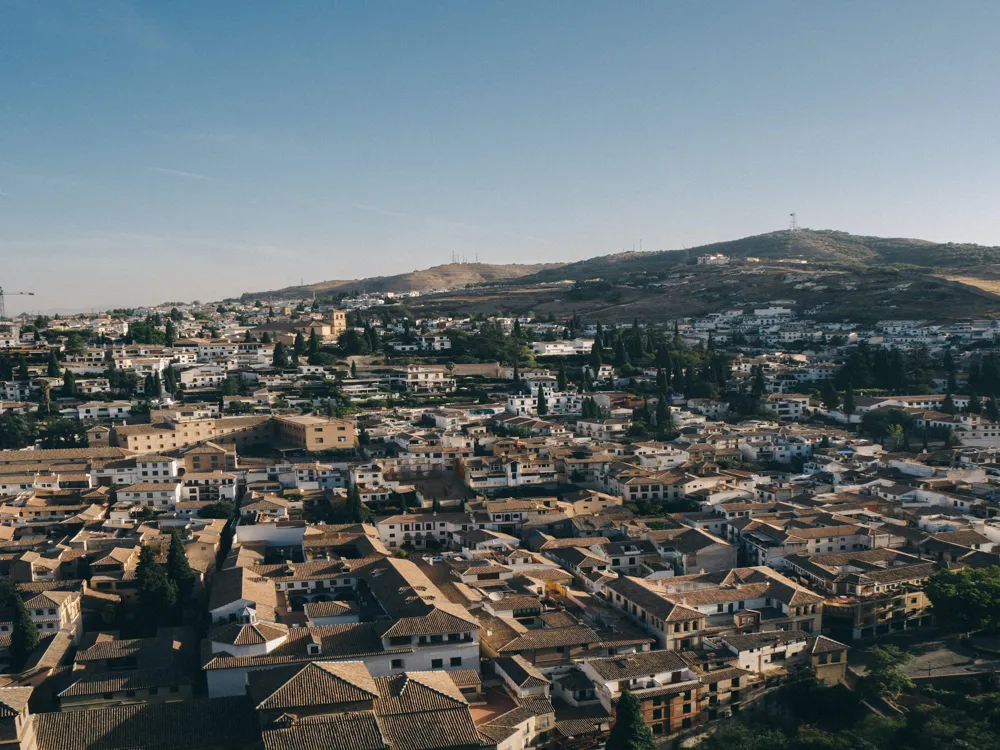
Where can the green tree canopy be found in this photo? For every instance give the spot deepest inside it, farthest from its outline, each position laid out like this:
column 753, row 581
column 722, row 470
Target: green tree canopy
column 157, row 593
column 884, row 677
column 967, row 599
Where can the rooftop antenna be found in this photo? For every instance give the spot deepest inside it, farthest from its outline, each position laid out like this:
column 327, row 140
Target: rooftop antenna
column 794, row 226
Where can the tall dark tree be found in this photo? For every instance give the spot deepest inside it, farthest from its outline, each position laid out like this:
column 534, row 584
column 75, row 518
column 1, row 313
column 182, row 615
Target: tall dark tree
column 630, row 731
column 157, row 593
column 24, row 634
column 948, row 405
column 849, row 404
column 992, row 411
column 280, row 357
column 828, row 392
column 561, row 377
column 355, row 512
column 170, row 335
column 299, row 347
column 543, row 404
column 22, row 369
column 975, row 405
column 154, row 388
column 313, row 347
column 621, row 354
column 178, row 568
column 759, row 386
column 596, row 355
column 69, row 383
column 664, row 419
column 52, row 369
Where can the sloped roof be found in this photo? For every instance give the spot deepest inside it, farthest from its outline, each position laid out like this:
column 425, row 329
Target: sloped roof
column 354, row 730
column 184, row 725
column 13, row 700
column 312, row 684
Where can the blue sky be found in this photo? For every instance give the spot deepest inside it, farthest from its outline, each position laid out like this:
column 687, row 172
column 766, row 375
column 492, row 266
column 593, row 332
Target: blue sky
column 183, row 150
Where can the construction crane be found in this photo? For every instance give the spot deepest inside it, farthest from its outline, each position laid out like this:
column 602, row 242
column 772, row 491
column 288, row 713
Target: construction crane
column 3, row 308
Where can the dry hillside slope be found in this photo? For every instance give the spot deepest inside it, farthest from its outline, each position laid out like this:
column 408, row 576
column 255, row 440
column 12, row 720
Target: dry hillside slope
column 449, row 276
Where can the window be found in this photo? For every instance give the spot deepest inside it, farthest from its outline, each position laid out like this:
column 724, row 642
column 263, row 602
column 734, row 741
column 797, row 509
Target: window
column 437, row 663
column 108, row 696
column 174, row 689
column 456, row 661
column 154, row 691
column 397, row 664
column 657, row 713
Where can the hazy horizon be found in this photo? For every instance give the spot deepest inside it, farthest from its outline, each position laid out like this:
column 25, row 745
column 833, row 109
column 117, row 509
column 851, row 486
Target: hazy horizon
column 198, row 151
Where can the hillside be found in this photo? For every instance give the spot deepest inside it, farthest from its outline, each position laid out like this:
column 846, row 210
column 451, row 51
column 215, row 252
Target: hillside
column 823, row 248
column 827, row 294
column 449, row 276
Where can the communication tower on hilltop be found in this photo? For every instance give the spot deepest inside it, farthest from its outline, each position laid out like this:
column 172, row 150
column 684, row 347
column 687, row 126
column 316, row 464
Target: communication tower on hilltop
column 794, row 226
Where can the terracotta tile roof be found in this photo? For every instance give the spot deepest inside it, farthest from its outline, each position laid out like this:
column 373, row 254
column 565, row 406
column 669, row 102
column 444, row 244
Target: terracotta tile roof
column 335, row 642
column 355, row 730
column 823, row 645
column 329, row 609
column 434, row 623
column 641, row 664
column 522, row 673
column 234, row 584
column 578, row 635
column 312, row 684
column 58, row 454
column 13, row 700
column 465, row 677
column 240, row 634
column 186, row 725
column 112, row 682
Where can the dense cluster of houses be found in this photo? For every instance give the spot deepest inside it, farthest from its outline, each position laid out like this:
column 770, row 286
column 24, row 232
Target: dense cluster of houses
column 514, row 566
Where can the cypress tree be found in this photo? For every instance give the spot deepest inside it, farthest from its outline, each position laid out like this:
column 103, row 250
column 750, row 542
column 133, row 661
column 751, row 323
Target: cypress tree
column 299, row 347
column 992, row 412
column 596, row 356
column 52, row 369
column 279, row 358
column 630, row 731
column 24, row 634
column 661, row 380
column 975, row 405
column 313, row 346
column 543, row 405
column 157, row 593
column 178, row 568
column 948, row 405
column 69, row 383
column 849, row 405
